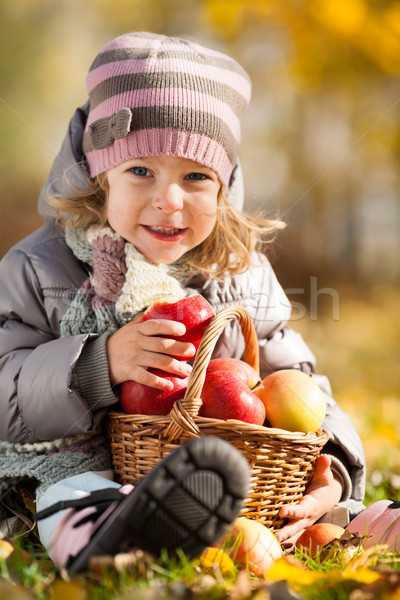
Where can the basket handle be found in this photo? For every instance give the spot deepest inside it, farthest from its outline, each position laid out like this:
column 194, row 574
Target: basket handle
column 183, row 411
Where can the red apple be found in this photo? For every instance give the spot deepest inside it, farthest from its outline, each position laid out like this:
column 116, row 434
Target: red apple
column 140, row 399
column 194, row 312
column 236, row 366
column 292, row 400
column 317, row 536
column 226, row 396
column 251, row 546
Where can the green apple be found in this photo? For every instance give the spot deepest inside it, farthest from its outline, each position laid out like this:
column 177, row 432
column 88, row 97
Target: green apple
column 292, row 400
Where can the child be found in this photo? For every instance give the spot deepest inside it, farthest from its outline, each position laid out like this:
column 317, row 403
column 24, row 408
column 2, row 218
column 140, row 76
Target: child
column 152, row 177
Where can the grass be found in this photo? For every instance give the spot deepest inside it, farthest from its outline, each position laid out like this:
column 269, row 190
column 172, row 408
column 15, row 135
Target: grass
column 359, row 352
column 327, row 576
column 26, row 573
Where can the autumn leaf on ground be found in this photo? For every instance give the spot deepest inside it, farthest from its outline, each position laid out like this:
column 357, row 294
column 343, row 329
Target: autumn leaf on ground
column 215, row 562
column 68, row 590
column 342, row 550
column 292, row 570
column 361, row 575
column 6, row 548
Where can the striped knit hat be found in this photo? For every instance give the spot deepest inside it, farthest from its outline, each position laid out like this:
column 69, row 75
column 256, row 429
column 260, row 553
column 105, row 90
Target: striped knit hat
column 153, row 95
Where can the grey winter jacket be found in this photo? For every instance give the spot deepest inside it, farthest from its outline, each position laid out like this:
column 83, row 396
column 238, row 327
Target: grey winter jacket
column 52, row 387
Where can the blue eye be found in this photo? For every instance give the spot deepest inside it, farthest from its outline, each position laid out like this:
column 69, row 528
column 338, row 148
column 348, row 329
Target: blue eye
column 197, row 176
column 141, row 171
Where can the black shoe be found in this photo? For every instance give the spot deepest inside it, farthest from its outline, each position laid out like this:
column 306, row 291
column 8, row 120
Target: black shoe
column 187, row 501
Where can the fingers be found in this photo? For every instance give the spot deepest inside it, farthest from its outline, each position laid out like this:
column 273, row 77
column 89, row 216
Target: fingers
column 322, row 466
column 142, row 375
column 300, row 517
column 164, row 362
column 139, row 372
column 321, row 495
column 289, row 543
column 290, row 532
column 141, row 345
column 157, row 336
column 135, row 367
column 293, row 512
column 322, row 476
column 168, row 346
column 161, row 327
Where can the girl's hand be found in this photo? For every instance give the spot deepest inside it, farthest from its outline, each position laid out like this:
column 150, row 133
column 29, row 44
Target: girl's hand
column 323, row 493
column 136, row 346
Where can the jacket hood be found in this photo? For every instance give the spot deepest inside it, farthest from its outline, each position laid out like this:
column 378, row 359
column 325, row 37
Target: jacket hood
column 70, row 161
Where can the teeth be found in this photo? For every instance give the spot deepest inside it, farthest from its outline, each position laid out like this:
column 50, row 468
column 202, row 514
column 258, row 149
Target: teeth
column 166, row 230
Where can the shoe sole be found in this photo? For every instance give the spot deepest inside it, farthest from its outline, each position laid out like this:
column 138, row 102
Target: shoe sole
column 187, row 501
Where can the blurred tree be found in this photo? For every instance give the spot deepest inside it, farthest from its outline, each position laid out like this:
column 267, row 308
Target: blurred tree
column 320, row 140
column 326, row 90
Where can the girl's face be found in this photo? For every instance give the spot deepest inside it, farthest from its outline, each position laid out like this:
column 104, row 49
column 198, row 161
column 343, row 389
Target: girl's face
column 163, row 205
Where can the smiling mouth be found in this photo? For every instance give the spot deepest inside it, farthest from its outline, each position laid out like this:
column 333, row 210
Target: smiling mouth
column 165, row 230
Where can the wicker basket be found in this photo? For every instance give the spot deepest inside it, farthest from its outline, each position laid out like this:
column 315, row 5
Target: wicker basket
column 281, row 462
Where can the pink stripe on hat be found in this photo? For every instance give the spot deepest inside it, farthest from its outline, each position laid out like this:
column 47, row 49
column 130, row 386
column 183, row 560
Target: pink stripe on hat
column 130, row 41
column 152, row 95
column 234, row 80
column 168, row 97
column 161, row 142
column 149, row 40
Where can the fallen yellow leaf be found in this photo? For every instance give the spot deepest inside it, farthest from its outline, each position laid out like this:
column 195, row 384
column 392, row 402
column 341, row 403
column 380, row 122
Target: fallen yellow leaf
column 215, row 558
column 293, row 571
column 67, row 590
column 361, row 575
column 5, row 549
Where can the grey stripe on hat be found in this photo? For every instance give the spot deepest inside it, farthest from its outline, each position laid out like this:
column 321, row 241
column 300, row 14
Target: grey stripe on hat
column 121, row 54
column 103, row 132
column 137, row 81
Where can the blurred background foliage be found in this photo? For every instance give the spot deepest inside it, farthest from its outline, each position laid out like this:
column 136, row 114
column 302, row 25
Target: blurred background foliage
column 320, row 149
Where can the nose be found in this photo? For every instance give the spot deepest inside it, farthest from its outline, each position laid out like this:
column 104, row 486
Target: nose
column 168, row 198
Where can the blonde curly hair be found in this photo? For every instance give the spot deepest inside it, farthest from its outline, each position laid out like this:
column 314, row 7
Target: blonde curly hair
column 226, row 251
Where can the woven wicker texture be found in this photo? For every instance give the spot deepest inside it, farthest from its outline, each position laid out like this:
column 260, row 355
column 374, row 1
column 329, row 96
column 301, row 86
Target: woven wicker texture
column 281, row 462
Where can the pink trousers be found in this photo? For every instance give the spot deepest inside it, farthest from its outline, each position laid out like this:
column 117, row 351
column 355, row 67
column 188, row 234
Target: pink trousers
column 380, row 523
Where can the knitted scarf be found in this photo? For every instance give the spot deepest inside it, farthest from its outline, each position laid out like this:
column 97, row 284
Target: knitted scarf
column 121, row 284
